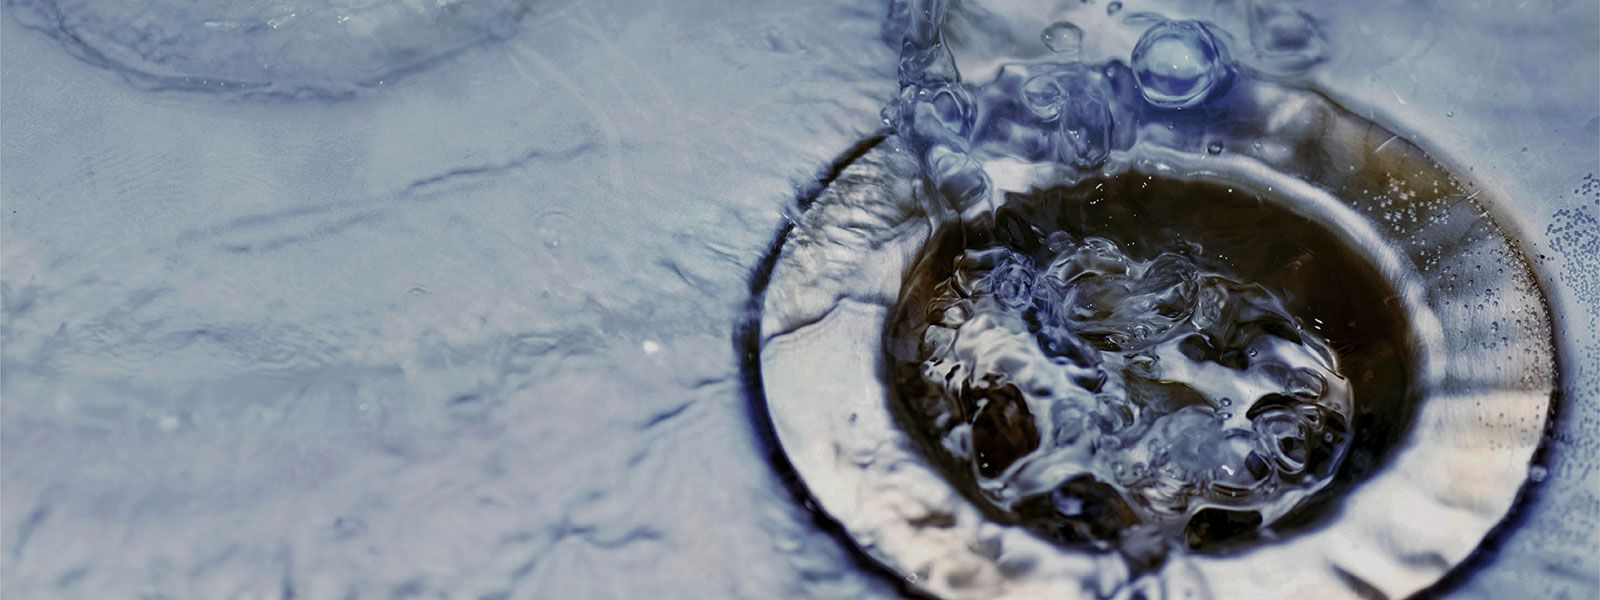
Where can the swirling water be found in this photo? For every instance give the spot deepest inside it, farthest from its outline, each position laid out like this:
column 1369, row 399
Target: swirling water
column 464, row 332
column 1056, row 363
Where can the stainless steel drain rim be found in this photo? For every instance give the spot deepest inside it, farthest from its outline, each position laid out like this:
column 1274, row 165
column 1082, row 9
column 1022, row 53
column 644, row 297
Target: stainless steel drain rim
column 1464, row 462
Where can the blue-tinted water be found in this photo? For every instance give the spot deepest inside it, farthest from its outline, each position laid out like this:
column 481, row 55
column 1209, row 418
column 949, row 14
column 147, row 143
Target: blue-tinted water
column 333, row 301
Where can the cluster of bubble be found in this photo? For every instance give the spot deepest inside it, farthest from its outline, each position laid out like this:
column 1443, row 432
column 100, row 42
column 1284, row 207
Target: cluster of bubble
column 1099, row 396
column 1063, row 111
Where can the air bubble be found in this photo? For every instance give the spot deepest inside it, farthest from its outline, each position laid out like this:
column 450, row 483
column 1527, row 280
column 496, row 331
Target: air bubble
column 1179, row 63
column 1062, row 37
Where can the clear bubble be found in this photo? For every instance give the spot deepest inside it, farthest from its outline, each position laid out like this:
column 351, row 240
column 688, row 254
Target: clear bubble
column 1113, row 8
column 1179, row 63
column 1073, row 98
column 1063, row 37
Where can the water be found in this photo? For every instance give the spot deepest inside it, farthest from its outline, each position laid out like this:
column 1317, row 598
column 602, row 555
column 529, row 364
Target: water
column 464, row 333
column 283, row 50
column 1056, row 367
column 465, row 330
column 1184, row 358
column 1178, row 64
column 1062, row 37
column 959, row 512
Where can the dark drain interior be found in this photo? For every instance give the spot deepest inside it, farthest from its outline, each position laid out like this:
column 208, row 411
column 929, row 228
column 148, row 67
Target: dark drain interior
column 1151, row 301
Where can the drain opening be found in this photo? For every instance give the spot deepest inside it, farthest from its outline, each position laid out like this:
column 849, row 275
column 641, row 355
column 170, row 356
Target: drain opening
column 1110, row 367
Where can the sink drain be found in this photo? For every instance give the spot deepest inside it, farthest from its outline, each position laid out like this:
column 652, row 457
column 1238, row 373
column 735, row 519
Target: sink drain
column 1105, row 363
column 1313, row 355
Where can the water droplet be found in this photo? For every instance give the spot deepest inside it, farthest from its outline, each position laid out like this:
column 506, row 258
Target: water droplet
column 1178, row 64
column 1537, row 473
column 1113, row 8
column 1062, row 37
column 1215, row 147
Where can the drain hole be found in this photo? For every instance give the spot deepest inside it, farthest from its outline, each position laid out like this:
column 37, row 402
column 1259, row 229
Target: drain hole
column 1135, row 362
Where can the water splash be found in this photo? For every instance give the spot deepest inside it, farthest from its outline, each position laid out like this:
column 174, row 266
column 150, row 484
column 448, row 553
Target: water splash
column 1088, row 362
column 1107, row 346
column 1059, row 110
column 1099, row 395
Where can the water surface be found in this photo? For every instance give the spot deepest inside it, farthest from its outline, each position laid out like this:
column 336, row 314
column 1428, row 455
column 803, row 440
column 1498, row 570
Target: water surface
column 466, row 331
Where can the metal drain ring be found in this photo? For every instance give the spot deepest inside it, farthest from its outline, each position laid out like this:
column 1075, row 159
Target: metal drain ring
column 839, row 270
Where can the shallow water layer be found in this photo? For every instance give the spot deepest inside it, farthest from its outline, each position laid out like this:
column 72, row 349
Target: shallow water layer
column 468, row 333
column 283, row 50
